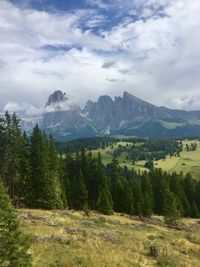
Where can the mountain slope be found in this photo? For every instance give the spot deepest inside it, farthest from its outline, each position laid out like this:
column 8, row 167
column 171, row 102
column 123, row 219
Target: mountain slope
column 126, row 115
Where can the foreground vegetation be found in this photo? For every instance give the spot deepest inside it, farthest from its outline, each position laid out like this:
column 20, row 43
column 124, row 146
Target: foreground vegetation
column 34, row 175
column 71, row 238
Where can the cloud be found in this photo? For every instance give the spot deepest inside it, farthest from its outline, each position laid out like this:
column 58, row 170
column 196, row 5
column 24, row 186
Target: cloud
column 186, row 102
column 99, row 3
column 115, row 80
column 22, row 109
column 108, row 64
column 150, row 45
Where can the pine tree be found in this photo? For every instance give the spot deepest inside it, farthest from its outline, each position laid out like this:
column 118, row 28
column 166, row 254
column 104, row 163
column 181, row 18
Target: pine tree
column 93, row 181
column 45, row 184
column 13, row 243
column 147, row 205
column 53, row 180
column 68, row 175
column 24, row 186
column 80, row 198
column 148, row 195
column 194, row 211
column 2, row 146
column 104, row 202
column 171, row 211
column 13, row 143
column 137, row 196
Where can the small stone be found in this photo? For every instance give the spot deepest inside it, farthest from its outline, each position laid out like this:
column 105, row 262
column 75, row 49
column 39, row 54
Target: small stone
column 153, row 252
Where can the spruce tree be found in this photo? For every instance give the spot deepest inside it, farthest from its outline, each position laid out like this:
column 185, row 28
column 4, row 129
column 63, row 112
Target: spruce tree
column 104, row 202
column 194, row 211
column 13, row 243
column 80, row 198
column 137, row 196
column 68, row 175
column 13, row 143
column 24, row 186
column 46, row 190
column 147, row 205
column 171, row 211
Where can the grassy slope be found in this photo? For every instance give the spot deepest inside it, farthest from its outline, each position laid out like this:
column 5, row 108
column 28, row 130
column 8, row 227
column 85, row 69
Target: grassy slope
column 187, row 162
column 70, row 239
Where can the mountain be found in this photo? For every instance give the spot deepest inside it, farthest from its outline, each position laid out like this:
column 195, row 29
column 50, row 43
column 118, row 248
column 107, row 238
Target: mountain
column 64, row 119
column 126, row 115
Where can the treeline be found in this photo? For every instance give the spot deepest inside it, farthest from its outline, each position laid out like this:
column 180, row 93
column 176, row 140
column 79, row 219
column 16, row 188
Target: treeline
column 150, row 149
column 92, row 143
column 29, row 166
column 191, row 147
column 107, row 188
column 36, row 176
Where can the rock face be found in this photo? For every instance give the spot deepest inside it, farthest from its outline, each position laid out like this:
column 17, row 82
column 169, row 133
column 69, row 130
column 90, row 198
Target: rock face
column 117, row 114
column 56, row 97
column 62, row 117
column 126, row 115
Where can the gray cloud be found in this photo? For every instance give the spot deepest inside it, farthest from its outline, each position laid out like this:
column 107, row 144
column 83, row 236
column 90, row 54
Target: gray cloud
column 108, row 64
column 153, row 51
column 115, row 80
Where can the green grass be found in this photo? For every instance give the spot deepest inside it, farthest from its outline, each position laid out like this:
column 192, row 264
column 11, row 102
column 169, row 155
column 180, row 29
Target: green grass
column 187, row 162
column 71, row 239
column 107, row 156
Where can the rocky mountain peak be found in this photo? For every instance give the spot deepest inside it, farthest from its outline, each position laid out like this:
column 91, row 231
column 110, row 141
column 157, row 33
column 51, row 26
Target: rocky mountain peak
column 56, row 97
column 105, row 99
column 128, row 98
column 127, row 95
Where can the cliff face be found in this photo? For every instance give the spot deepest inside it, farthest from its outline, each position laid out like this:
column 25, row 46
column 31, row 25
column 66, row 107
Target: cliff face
column 126, row 115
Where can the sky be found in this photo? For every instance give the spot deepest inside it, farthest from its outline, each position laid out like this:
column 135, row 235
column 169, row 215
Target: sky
column 88, row 48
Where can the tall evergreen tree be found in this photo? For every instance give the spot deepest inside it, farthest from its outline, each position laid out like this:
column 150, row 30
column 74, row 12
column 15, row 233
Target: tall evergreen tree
column 13, row 143
column 13, row 243
column 147, row 205
column 171, row 211
column 45, row 184
column 104, row 202
column 24, row 169
column 80, row 197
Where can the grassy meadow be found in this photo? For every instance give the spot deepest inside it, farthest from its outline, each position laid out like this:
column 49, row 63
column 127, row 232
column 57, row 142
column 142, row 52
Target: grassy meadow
column 70, row 238
column 187, row 162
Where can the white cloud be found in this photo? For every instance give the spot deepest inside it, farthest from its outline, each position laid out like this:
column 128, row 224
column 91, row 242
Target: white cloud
column 22, row 108
column 186, row 102
column 153, row 51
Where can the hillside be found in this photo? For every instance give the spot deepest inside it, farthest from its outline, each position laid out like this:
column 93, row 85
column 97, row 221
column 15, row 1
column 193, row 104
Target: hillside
column 189, row 161
column 70, row 238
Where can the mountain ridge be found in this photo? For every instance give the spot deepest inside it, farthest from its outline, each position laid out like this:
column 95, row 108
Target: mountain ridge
column 124, row 115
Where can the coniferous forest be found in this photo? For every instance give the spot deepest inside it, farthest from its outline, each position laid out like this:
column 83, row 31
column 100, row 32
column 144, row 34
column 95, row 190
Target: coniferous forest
column 33, row 174
column 37, row 176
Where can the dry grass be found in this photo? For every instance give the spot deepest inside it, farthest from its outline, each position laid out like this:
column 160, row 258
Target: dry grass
column 71, row 238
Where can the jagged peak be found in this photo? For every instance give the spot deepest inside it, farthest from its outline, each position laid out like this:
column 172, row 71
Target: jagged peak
column 128, row 96
column 56, row 97
column 105, row 98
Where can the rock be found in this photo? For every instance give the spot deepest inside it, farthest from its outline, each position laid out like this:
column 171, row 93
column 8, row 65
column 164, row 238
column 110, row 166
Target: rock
column 42, row 238
column 109, row 236
column 86, row 222
column 62, row 240
column 153, row 252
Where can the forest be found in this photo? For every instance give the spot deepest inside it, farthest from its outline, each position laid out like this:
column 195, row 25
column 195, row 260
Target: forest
column 37, row 176
column 34, row 175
